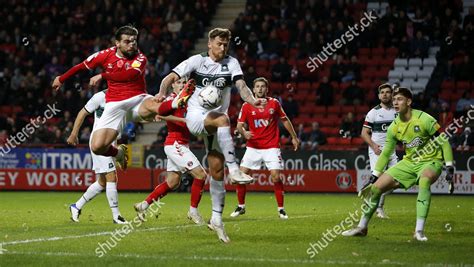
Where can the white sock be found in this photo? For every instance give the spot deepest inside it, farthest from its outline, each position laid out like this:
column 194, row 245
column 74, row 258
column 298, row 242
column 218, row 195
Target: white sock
column 381, row 201
column 224, row 138
column 420, row 224
column 364, row 222
column 217, row 191
column 280, row 208
column 144, row 205
column 242, row 206
column 112, row 197
column 92, row 191
column 193, row 209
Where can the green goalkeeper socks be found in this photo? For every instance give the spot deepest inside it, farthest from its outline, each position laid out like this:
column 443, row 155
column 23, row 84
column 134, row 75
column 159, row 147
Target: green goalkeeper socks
column 424, row 198
column 372, row 204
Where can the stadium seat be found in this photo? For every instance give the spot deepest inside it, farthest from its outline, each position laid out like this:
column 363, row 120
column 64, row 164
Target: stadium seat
column 401, row 62
column 347, row 109
column 433, row 51
column 395, row 75
column 334, row 110
column 378, row 52
column 408, row 82
column 391, row 52
column 305, row 86
column 429, row 62
column 362, row 109
column 357, row 141
column 414, row 62
column 425, row 73
column 343, row 141
column 447, row 86
column 463, row 85
column 409, row 75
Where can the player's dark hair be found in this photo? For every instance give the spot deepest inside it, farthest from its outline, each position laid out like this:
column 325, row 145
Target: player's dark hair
column 403, row 91
column 220, row 32
column 260, row 79
column 127, row 30
column 384, row 86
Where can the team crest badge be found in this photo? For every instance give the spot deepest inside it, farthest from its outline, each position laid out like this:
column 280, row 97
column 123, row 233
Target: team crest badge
column 224, row 68
column 417, row 128
column 272, row 111
column 253, row 113
column 190, row 163
column 120, row 63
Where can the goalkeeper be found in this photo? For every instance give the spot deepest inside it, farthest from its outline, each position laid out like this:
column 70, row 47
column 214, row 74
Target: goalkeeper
column 425, row 149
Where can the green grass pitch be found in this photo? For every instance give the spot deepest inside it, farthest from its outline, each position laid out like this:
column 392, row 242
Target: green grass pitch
column 35, row 229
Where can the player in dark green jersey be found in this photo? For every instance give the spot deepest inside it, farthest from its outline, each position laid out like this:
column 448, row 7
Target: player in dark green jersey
column 425, row 150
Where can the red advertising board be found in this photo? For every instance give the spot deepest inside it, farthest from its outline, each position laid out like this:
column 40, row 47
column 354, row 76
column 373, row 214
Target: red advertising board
column 140, row 180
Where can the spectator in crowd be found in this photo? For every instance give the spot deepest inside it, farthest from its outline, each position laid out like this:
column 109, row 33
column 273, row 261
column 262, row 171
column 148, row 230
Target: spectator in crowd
column 291, row 107
column 465, row 70
column 281, row 71
column 419, row 46
column 352, row 70
column 353, row 95
column 250, row 76
column 300, row 132
column 338, row 70
column 465, row 140
column 316, row 137
column 253, row 47
column 349, row 126
column 325, row 93
column 464, row 104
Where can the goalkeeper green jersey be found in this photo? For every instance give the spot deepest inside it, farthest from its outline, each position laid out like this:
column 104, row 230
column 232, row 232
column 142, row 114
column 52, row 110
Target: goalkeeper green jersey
column 416, row 136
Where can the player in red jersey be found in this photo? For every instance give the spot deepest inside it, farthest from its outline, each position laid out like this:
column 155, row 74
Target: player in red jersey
column 180, row 160
column 263, row 143
column 124, row 70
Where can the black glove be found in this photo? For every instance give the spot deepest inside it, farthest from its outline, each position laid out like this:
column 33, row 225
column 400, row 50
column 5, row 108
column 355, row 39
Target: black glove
column 449, row 173
column 449, row 178
column 364, row 191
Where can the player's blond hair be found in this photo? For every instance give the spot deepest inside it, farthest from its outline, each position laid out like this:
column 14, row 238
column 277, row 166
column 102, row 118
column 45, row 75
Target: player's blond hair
column 220, row 32
column 260, row 79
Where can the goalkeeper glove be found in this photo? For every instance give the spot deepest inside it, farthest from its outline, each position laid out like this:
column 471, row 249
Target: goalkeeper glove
column 364, row 192
column 449, row 178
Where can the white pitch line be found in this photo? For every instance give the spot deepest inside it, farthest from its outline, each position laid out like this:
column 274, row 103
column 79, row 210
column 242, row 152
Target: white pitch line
column 206, row 258
column 56, row 238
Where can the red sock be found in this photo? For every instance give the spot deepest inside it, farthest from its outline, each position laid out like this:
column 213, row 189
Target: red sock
column 165, row 108
column 111, row 152
column 278, row 188
column 241, row 191
column 160, row 191
column 196, row 192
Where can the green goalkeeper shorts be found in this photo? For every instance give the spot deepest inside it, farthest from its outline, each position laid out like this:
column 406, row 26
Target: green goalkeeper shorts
column 408, row 173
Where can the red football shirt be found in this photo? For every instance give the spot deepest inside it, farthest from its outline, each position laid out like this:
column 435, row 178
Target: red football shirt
column 263, row 124
column 177, row 131
column 110, row 62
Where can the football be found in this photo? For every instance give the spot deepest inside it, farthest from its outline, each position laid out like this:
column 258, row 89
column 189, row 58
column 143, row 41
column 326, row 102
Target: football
column 210, row 97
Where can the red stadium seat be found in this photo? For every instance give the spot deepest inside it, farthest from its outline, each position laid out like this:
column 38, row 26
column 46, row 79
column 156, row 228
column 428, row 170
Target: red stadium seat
column 261, row 64
column 334, row 109
column 347, row 109
column 378, row 52
column 462, row 86
column 391, row 51
column 332, row 140
column 362, row 109
column 364, row 52
column 318, row 110
column 305, row 86
column 447, row 86
column 357, row 141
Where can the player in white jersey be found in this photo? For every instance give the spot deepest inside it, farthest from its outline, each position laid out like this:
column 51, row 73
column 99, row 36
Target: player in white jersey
column 374, row 133
column 218, row 69
column 103, row 166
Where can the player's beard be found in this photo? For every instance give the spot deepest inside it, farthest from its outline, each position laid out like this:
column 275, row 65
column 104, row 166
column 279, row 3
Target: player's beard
column 129, row 54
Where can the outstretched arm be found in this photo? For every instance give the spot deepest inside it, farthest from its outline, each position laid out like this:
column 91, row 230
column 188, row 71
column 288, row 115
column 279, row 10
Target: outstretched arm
column 165, row 84
column 73, row 137
column 59, row 80
column 247, row 95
